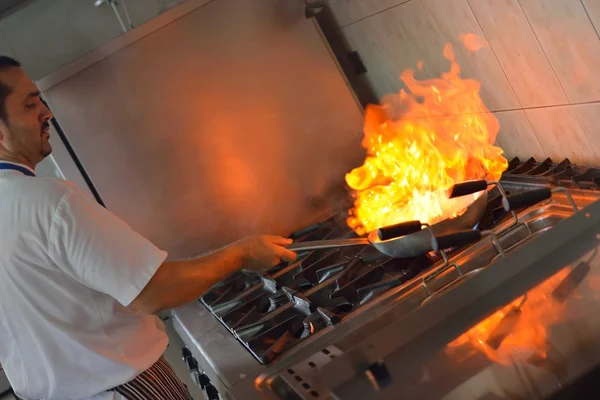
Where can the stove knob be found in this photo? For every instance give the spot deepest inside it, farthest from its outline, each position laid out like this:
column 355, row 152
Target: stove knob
column 192, row 364
column 185, row 353
column 379, row 375
column 212, row 393
column 203, row 381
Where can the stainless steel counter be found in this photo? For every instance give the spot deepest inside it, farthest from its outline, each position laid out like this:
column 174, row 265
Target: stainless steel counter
column 381, row 330
column 421, row 334
column 224, row 360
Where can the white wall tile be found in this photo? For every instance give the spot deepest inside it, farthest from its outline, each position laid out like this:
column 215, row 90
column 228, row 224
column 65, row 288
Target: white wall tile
column 589, row 119
column 519, row 52
column 370, row 42
column 395, row 40
column 516, row 137
column 593, row 10
column 454, row 18
column 561, row 135
column 547, row 50
column 349, row 11
column 571, row 44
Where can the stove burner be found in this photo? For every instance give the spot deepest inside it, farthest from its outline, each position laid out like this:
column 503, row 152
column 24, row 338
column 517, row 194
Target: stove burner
column 273, row 313
column 312, row 324
column 270, row 314
column 230, row 288
column 315, row 272
column 325, row 273
column 273, row 302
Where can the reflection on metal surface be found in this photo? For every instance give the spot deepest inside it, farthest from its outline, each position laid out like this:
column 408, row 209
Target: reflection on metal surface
column 216, row 138
column 552, row 339
column 529, row 348
column 380, row 313
column 466, row 368
column 517, row 331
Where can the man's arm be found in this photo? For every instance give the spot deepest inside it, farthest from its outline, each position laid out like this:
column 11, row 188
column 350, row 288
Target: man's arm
column 102, row 252
column 179, row 282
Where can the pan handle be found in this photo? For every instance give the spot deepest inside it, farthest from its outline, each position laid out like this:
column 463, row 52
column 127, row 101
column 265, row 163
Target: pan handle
column 525, row 199
column 469, row 187
column 401, row 229
column 327, row 244
column 455, row 239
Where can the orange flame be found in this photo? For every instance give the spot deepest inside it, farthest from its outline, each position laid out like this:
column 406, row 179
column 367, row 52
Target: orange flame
column 418, row 145
column 473, row 42
column 528, row 337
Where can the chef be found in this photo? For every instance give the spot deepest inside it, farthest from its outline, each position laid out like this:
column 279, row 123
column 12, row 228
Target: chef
column 78, row 287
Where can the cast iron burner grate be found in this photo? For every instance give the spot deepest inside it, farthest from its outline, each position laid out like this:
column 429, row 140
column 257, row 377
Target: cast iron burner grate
column 271, row 314
column 547, row 172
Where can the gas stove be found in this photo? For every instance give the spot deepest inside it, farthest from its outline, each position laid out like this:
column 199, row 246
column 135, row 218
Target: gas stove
column 272, row 313
column 276, row 331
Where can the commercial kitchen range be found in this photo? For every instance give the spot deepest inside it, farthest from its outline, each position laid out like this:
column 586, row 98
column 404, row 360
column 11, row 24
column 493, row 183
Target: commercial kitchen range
column 352, row 323
column 268, row 125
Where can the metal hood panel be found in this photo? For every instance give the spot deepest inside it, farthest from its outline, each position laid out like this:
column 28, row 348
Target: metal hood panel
column 233, row 119
column 8, row 6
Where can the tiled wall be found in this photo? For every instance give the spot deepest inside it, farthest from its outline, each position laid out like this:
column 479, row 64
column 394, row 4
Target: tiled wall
column 540, row 72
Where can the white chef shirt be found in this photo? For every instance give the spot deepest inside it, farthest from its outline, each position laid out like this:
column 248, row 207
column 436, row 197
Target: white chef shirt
column 68, row 269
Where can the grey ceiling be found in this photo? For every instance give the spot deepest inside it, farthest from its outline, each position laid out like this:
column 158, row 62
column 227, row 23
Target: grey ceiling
column 7, row 6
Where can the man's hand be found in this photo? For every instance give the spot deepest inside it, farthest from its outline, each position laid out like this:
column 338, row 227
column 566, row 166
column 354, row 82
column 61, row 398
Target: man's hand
column 261, row 253
column 179, row 282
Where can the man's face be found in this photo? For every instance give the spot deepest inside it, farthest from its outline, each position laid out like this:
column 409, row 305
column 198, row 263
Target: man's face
column 24, row 134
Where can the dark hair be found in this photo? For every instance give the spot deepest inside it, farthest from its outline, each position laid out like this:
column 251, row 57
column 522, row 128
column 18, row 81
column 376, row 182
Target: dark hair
column 5, row 64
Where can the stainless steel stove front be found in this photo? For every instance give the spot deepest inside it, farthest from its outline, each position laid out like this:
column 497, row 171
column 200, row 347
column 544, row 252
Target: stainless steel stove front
column 237, row 374
column 404, row 301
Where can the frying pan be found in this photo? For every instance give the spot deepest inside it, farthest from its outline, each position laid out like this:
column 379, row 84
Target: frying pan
column 407, row 239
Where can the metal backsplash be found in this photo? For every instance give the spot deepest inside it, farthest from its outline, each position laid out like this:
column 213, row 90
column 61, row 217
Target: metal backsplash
column 229, row 120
